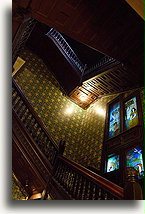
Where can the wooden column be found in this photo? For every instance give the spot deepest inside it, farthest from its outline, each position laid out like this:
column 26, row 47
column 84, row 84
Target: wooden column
column 132, row 189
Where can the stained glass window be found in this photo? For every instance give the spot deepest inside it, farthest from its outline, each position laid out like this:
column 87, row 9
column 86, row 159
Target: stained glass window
column 114, row 120
column 113, row 163
column 131, row 114
column 134, row 159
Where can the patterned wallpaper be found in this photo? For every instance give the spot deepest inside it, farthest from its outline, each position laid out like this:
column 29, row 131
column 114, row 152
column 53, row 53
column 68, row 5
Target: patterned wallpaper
column 17, row 193
column 83, row 130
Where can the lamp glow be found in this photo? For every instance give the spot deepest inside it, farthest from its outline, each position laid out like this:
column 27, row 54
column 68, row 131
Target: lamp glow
column 69, row 110
column 83, row 98
column 100, row 111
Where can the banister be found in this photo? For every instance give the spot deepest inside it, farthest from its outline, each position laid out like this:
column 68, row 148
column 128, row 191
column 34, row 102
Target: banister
column 103, row 183
column 65, row 47
column 100, row 66
column 33, row 112
column 103, row 62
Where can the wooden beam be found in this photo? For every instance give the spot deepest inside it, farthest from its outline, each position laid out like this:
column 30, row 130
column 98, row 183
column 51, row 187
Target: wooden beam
column 138, row 6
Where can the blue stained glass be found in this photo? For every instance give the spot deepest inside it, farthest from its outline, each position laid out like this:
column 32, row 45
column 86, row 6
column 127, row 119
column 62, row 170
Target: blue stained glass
column 134, row 159
column 114, row 120
column 131, row 114
column 113, row 163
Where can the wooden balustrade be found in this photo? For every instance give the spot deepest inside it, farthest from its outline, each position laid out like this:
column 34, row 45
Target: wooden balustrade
column 101, row 66
column 82, row 184
column 105, row 63
column 62, row 43
column 22, row 35
column 102, row 62
column 33, row 124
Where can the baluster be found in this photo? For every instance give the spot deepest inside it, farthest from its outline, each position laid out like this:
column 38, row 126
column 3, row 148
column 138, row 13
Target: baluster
column 46, row 143
column 88, row 190
column 72, row 181
column 25, row 116
column 29, row 127
column 14, row 96
column 94, row 190
column 34, row 134
column 108, row 196
column 79, row 188
column 76, row 185
column 52, row 154
column 15, row 102
column 41, row 139
column 18, row 109
column 32, row 123
column 65, row 175
column 99, row 193
column 68, row 179
column 103, row 194
column 38, row 135
column 57, row 171
column 55, row 34
column 61, row 174
column 23, row 110
column 28, row 124
column 83, row 189
column 61, row 41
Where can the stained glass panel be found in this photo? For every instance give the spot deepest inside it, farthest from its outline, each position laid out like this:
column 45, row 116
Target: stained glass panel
column 114, row 120
column 134, row 159
column 113, row 163
column 131, row 114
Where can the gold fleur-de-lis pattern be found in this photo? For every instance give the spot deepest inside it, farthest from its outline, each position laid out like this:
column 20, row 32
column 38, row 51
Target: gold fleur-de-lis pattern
column 83, row 130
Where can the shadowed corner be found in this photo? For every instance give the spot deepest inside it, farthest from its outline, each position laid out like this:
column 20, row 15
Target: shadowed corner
column 8, row 104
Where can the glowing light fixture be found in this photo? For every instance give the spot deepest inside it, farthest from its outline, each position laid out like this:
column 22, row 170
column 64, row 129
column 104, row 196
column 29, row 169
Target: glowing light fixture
column 69, row 110
column 100, row 111
column 83, row 98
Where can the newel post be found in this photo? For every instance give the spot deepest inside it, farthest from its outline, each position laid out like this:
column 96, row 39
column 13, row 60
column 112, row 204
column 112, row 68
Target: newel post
column 61, row 147
column 132, row 189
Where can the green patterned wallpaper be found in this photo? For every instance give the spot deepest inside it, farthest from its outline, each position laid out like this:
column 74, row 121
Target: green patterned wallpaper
column 83, row 130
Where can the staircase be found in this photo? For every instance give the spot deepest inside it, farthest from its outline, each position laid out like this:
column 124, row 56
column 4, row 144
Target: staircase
column 62, row 178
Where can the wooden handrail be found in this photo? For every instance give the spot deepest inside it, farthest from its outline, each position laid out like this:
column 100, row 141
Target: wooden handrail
column 33, row 112
column 65, row 48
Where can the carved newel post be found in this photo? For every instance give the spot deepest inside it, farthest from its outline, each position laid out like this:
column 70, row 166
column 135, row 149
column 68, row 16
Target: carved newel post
column 61, row 147
column 132, row 189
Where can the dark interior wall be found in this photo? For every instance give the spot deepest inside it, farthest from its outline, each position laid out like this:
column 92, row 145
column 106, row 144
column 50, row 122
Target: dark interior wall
column 83, row 130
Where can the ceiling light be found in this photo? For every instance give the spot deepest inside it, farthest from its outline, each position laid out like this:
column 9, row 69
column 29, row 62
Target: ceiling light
column 83, row 98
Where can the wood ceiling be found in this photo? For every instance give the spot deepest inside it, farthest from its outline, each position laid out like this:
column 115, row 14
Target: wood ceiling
column 111, row 27
column 93, row 29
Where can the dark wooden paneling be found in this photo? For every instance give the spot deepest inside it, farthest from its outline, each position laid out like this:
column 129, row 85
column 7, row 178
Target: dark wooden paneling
column 25, row 171
column 28, row 162
column 111, row 27
column 115, row 80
